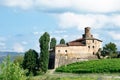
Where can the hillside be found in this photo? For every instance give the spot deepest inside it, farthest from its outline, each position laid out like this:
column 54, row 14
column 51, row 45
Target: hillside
column 12, row 55
column 93, row 66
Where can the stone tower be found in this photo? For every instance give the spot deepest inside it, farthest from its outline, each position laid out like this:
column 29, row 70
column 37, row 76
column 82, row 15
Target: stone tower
column 87, row 33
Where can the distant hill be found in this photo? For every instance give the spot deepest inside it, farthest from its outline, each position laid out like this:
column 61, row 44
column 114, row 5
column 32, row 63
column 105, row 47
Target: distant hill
column 12, row 55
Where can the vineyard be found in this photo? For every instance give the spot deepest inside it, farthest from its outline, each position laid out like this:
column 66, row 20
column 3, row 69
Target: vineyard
column 93, row 66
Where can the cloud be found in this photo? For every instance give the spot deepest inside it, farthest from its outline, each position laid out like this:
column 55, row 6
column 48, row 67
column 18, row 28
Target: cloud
column 17, row 47
column 114, row 35
column 79, row 21
column 24, row 42
column 94, row 6
column 23, row 4
column 36, row 33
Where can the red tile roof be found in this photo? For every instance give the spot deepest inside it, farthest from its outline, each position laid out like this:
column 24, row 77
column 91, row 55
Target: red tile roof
column 77, row 42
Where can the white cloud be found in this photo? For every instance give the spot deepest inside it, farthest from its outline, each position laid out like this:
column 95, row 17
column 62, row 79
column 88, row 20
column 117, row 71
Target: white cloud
column 36, row 33
column 114, row 35
column 24, row 42
column 101, row 6
column 23, row 4
column 68, row 20
column 17, row 47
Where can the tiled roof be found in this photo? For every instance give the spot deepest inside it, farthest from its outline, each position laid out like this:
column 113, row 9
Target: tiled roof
column 61, row 45
column 77, row 42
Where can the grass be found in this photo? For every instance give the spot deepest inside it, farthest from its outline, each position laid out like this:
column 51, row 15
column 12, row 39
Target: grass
column 72, row 76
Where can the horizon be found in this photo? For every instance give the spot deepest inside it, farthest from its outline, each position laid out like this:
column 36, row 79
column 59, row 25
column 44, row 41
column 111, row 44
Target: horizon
column 22, row 22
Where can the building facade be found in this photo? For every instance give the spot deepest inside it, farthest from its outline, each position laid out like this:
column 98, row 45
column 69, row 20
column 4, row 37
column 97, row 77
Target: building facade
column 84, row 48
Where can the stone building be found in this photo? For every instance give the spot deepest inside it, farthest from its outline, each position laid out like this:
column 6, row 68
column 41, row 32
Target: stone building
column 80, row 49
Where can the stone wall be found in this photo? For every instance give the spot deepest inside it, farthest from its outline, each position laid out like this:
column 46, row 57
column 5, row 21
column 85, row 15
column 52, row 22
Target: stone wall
column 70, row 54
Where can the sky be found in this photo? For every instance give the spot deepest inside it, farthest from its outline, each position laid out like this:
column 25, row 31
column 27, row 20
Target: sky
column 22, row 22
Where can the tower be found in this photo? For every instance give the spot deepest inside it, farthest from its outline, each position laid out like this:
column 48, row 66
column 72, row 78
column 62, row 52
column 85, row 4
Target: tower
column 87, row 33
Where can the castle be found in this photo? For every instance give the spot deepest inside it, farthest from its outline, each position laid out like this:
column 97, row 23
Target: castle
column 83, row 48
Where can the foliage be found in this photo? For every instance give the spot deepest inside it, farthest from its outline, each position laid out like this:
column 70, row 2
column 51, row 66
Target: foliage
column 62, row 41
column 11, row 71
column 52, row 43
column 109, row 50
column 30, row 62
column 44, row 55
column 19, row 60
column 93, row 66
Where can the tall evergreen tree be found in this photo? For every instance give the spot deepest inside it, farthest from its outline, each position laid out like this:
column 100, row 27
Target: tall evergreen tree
column 44, row 55
column 30, row 61
column 62, row 41
column 52, row 43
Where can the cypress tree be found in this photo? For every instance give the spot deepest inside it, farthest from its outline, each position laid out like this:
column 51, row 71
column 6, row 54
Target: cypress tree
column 52, row 43
column 44, row 48
column 62, row 41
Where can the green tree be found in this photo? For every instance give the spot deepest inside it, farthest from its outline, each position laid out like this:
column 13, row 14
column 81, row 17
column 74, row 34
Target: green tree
column 109, row 50
column 11, row 71
column 52, row 43
column 44, row 55
column 62, row 41
column 19, row 60
column 30, row 61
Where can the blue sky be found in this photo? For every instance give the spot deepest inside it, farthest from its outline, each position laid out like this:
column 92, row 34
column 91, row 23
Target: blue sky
column 22, row 22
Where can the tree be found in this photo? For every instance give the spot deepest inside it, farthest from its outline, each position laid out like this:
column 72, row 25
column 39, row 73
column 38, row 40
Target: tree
column 52, row 43
column 109, row 50
column 30, row 61
column 44, row 55
column 11, row 71
column 19, row 60
column 62, row 41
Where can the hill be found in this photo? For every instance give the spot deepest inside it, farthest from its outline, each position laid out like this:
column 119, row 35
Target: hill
column 12, row 55
column 93, row 66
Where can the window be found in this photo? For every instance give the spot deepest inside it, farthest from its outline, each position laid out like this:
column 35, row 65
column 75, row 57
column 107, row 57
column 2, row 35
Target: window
column 58, row 50
column 65, row 50
column 93, row 53
column 93, row 46
column 93, row 41
column 88, row 46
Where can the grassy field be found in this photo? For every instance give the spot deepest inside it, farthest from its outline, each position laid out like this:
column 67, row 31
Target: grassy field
column 71, row 76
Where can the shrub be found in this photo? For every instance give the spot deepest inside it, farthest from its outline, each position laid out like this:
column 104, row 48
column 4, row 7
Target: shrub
column 11, row 71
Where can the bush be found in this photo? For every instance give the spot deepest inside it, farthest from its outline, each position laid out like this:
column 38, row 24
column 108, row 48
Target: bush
column 93, row 66
column 11, row 71
column 19, row 60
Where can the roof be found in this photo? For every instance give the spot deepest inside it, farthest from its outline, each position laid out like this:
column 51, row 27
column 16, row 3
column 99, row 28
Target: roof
column 61, row 45
column 77, row 42
column 80, row 41
column 93, row 39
